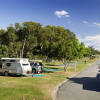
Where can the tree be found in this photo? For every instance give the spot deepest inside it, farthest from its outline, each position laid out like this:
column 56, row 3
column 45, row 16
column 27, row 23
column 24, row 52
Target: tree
column 3, row 51
column 67, row 51
column 28, row 37
column 32, row 40
column 81, row 50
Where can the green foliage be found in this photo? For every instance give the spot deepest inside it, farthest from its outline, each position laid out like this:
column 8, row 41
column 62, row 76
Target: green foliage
column 3, row 51
column 32, row 40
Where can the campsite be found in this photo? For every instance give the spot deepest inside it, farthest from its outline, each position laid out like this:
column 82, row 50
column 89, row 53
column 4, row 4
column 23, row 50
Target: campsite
column 49, row 50
column 28, row 88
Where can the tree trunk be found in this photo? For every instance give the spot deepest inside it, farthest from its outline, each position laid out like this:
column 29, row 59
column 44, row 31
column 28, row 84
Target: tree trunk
column 23, row 47
column 66, row 66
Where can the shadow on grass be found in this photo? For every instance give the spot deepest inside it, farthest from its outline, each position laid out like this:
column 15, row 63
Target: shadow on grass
column 53, row 68
column 54, row 64
column 51, row 65
column 89, row 83
column 11, row 75
column 48, row 72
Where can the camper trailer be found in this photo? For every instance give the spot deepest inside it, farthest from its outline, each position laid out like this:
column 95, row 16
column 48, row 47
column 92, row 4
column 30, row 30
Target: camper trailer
column 16, row 66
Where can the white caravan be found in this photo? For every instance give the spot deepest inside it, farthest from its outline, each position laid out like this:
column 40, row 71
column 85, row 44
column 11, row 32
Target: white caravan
column 17, row 66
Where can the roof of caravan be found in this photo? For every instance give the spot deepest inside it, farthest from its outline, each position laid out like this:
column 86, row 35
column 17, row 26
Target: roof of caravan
column 12, row 58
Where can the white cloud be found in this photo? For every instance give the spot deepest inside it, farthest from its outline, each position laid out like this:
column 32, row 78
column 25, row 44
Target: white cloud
column 97, row 24
column 62, row 13
column 91, row 41
column 68, row 22
column 85, row 22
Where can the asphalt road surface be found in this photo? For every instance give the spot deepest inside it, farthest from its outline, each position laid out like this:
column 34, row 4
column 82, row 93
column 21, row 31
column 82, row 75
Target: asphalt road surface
column 84, row 86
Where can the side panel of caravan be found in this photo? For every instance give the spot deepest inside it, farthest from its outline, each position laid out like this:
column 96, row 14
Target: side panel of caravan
column 20, row 66
column 11, row 68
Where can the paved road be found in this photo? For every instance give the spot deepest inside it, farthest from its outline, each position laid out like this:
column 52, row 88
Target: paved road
column 85, row 86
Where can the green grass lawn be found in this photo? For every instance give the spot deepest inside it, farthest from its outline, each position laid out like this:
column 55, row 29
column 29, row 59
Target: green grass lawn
column 14, row 88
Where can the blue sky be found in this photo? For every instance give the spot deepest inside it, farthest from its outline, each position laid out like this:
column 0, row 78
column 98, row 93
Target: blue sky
column 80, row 16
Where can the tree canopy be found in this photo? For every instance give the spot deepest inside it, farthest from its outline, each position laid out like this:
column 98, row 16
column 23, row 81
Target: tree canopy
column 32, row 40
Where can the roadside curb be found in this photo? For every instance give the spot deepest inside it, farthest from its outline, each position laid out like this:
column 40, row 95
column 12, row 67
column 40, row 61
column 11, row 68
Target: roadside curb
column 54, row 93
column 55, row 90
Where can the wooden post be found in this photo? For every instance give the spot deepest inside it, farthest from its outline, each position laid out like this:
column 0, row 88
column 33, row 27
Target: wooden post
column 75, row 66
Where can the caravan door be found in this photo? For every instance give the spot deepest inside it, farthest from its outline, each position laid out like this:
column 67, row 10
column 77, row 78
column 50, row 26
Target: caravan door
column 0, row 67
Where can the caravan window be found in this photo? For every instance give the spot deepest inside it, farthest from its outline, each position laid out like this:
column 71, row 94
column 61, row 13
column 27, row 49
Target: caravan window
column 3, row 60
column 25, row 64
column 12, row 60
column 40, row 64
column 8, row 64
column 36, row 64
column 0, row 65
column 31, row 63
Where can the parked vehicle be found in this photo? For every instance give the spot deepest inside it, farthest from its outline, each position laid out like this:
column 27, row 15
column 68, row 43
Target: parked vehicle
column 16, row 66
column 36, row 65
column 98, row 66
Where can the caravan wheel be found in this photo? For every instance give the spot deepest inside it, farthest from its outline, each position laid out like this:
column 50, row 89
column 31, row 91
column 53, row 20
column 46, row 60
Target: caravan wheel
column 6, row 73
column 33, row 71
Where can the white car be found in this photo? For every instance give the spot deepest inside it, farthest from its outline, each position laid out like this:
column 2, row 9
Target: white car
column 37, row 67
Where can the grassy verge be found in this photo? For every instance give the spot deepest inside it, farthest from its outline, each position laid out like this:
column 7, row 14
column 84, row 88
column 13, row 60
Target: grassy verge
column 13, row 88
